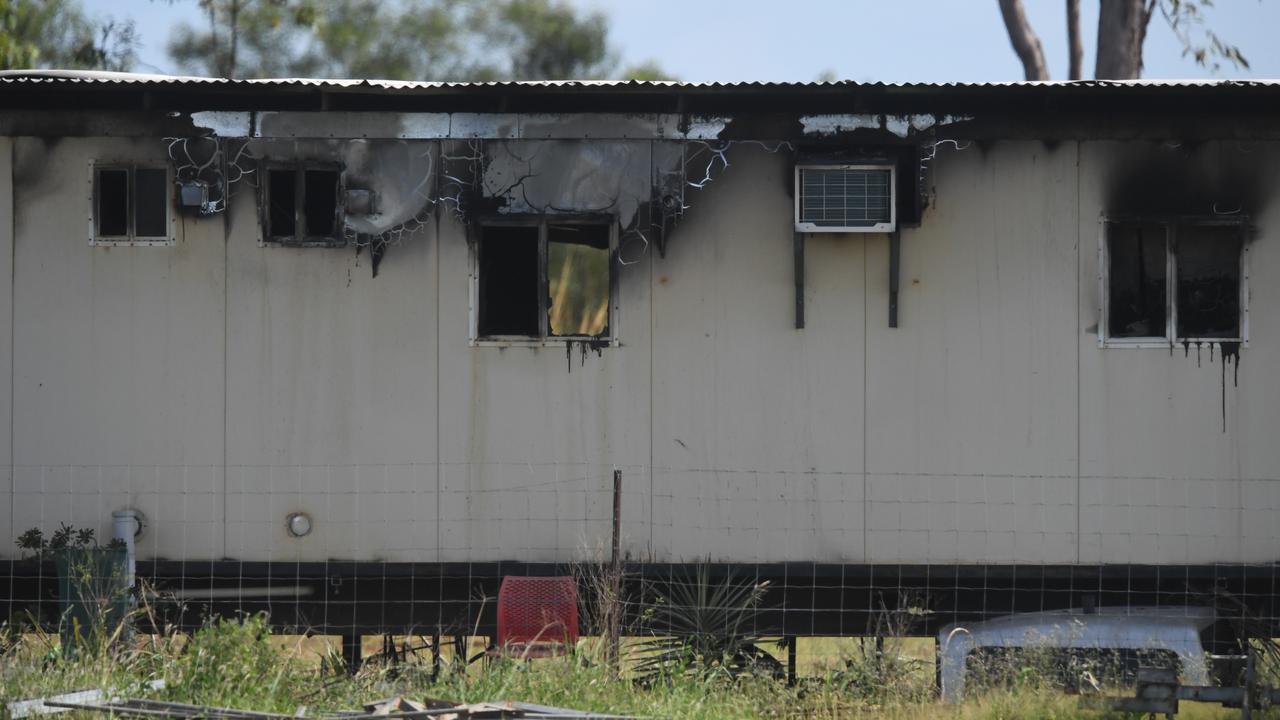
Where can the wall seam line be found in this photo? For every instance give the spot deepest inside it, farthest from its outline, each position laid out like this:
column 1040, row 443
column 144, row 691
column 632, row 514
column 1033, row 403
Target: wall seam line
column 653, row 339
column 436, row 250
column 1079, row 352
column 226, row 359
column 866, row 296
column 13, row 321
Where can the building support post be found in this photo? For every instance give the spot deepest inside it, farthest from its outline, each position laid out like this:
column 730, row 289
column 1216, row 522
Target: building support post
column 895, row 253
column 791, row 660
column 615, row 576
column 351, row 652
column 798, row 250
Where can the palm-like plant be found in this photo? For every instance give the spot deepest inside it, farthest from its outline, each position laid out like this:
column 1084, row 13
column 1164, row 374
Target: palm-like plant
column 706, row 626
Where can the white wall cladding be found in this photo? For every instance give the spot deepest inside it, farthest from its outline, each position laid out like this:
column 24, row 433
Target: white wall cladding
column 219, row 385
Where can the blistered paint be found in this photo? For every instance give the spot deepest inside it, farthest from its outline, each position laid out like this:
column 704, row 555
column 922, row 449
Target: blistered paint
column 224, row 123
column 705, row 127
column 899, row 125
column 833, row 124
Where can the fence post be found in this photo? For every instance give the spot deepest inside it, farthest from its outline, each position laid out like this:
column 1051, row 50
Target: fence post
column 615, row 574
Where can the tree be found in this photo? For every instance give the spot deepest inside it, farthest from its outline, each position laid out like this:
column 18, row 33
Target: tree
column 57, row 33
column 404, row 40
column 1122, row 32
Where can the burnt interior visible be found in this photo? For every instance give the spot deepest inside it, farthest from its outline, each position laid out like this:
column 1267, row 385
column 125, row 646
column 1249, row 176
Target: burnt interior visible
column 1137, row 282
column 578, row 280
column 113, row 202
column 150, row 198
column 1208, row 290
column 282, row 204
column 509, row 281
column 319, row 202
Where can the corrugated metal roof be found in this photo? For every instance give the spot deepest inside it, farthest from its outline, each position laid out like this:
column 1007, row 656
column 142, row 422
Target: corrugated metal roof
column 58, row 77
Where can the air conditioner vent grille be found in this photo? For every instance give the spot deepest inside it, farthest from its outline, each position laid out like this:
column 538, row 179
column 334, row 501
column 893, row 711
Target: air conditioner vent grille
column 844, row 198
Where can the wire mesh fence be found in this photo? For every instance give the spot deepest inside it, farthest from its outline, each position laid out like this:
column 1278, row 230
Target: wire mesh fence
column 421, row 548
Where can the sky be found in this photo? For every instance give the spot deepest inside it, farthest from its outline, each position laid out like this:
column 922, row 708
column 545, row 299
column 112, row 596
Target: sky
column 863, row 40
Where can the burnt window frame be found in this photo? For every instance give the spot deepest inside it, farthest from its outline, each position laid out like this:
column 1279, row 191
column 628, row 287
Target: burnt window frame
column 131, row 238
column 544, row 338
column 301, row 238
column 1170, row 225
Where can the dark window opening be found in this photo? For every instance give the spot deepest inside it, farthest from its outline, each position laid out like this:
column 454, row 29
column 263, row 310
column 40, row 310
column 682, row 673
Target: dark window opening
column 1137, row 282
column 509, row 281
column 150, row 210
column 113, row 203
column 320, row 202
column 281, row 203
column 578, row 280
column 1186, row 274
column 1208, row 259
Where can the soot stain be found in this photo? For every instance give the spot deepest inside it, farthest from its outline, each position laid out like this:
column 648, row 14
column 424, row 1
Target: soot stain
column 584, row 346
column 1185, row 179
column 1229, row 352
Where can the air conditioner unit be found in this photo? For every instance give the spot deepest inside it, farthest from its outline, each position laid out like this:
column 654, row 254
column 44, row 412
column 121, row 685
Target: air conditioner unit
column 845, row 198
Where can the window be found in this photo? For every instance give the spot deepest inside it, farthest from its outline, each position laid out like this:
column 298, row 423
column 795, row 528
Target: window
column 301, row 207
column 130, row 206
column 544, row 280
column 1167, row 281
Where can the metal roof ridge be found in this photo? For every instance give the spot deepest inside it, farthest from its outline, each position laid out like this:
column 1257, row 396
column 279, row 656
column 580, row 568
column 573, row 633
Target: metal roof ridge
column 130, row 78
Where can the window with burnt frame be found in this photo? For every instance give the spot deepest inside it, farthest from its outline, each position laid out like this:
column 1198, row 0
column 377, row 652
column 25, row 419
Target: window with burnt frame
column 301, row 205
column 544, row 280
column 130, row 205
column 1174, row 281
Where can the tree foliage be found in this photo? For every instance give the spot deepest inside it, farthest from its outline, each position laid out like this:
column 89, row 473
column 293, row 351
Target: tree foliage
column 57, row 33
column 1122, row 32
column 399, row 40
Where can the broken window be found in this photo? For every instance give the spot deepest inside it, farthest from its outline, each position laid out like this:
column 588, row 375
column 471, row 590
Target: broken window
column 509, row 281
column 301, row 205
column 1172, row 280
column 578, row 280
column 131, row 205
column 544, row 280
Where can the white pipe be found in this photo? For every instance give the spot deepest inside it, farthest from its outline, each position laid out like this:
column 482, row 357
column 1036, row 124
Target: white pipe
column 293, row 591
column 125, row 524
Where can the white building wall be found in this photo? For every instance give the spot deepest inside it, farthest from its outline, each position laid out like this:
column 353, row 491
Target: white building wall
column 118, row 379
column 7, row 515
column 219, row 385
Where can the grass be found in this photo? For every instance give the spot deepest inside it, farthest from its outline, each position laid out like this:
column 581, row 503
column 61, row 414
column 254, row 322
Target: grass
column 241, row 664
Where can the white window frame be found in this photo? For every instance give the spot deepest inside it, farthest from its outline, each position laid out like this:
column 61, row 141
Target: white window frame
column 545, row 339
column 131, row 239
column 1171, row 225
column 806, row 227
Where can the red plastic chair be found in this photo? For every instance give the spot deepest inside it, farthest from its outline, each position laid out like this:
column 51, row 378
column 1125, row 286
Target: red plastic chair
column 537, row 617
